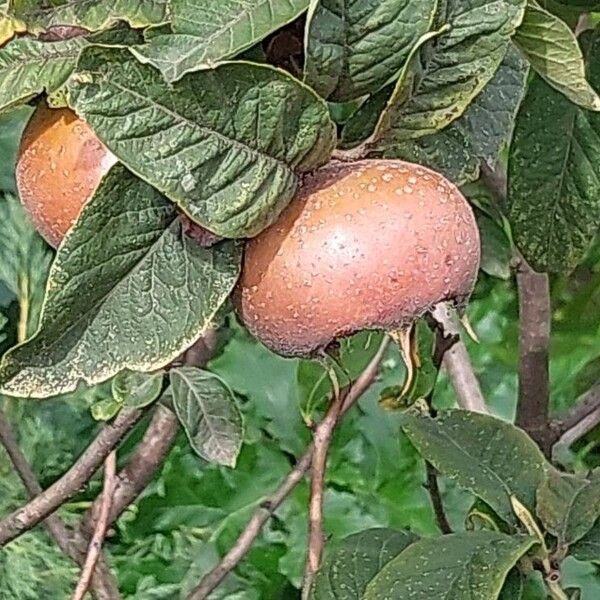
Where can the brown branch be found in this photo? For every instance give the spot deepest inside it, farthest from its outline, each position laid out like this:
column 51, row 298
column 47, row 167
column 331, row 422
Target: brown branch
column 534, row 343
column 436, row 499
column 95, row 547
column 444, row 342
column 587, row 404
column 534, row 336
column 70, row 483
column 104, row 586
column 458, row 364
column 321, row 442
column 140, row 468
column 270, row 504
column 580, row 420
column 158, row 439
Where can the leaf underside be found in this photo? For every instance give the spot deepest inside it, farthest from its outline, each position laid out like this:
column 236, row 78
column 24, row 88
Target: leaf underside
column 208, row 413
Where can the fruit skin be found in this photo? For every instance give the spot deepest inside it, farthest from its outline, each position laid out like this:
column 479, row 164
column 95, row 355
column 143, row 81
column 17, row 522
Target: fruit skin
column 366, row 245
column 60, row 164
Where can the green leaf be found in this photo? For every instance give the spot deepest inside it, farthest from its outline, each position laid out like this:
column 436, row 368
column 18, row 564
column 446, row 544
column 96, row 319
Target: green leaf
column 9, row 26
column 223, row 144
column 354, row 48
column 513, row 586
column 207, row 410
column 554, row 177
column 459, row 566
column 568, row 505
column 491, row 458
column 137, row 389
column 449, row 70
column 446, row 151
column 24, row 263
column 204, row 33
column 496, row 251
column 3, row 322
column 553, row 51
column 487, row 124
column 424, row 378
column 476, row 137
column 363, row 121
column 90, row 14
column 588, row 547
column 128, row 289
column 105, row 409
column 345, row 574
column 29, row 67
column 313, row 381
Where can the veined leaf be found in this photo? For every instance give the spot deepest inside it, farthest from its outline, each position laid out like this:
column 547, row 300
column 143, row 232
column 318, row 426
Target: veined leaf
column 491, row 458
column 223, row 144
column 207, row 410
column 204, row 33
column 29, row 67
column 105, row 409
column 449, row 70
column 554, row 176
column 588, row 547
column 459, row 566
column 553, row 51
column 513, row 586
column 24, row 263
column 9, row 26
column 496, row 251
column 476, row 137
column 354, row 48
column 3, row 322
column 356, row 560
column 128, row 290
column 568, row 505
column 136, row 389
column 90, row 14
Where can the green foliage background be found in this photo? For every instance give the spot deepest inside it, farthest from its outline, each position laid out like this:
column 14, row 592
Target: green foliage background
column 192, row 511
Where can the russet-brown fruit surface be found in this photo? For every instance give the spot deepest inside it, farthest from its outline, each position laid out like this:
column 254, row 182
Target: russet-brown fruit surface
column 61, row 163
column 365, row 245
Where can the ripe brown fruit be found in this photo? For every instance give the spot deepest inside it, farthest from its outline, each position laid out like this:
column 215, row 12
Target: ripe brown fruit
column 366, row 245
column 60, row 164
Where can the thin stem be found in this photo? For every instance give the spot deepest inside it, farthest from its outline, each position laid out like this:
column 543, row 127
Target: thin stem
column 587, row 405
column 582, row 418
column 321, row 443
column 95, row 547
column 458, row 365
column 271, row 503
column 45, row 503
column 436, row 499
column 140, row 468
column 104, row 586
